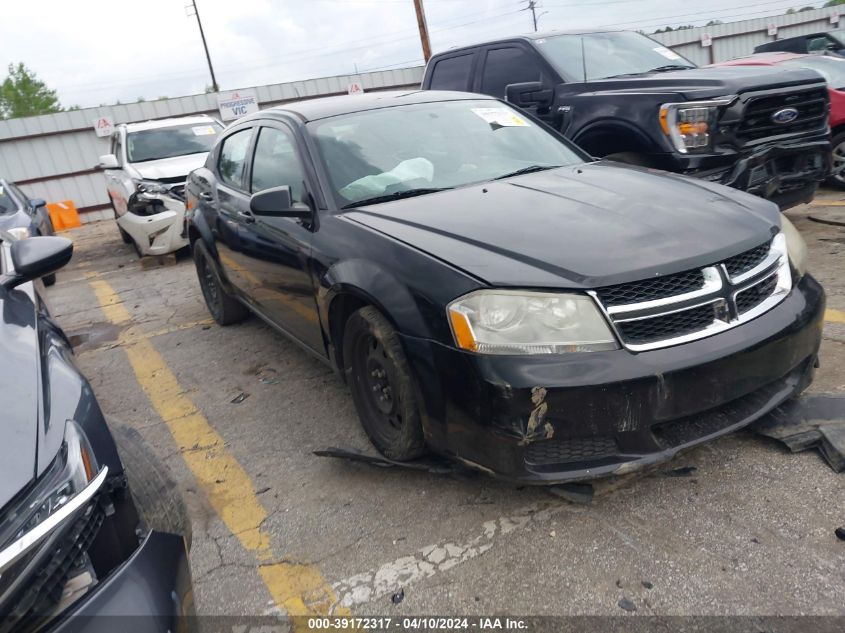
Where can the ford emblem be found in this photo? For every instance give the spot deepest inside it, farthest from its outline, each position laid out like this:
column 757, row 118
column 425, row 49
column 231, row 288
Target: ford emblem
column 786, row 115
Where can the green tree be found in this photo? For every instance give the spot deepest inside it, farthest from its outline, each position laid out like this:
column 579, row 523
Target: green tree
column 23, row 94
column 834, row 3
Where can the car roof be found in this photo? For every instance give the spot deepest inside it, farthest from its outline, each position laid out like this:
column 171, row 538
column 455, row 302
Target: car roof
column 162, row 123
column 763, row 59
column 324, row 107
column 529, row 37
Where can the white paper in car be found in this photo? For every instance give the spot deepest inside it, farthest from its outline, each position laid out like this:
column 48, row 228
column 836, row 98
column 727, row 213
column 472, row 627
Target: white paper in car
column 204, row 130
column 377, row 184
column 667, row 53
column 501, row 117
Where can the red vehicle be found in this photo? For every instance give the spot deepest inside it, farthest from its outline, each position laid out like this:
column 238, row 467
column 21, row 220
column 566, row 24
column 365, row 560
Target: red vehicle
column 833, row 70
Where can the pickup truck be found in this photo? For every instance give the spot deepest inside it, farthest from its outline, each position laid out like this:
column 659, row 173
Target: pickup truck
column 626, row 97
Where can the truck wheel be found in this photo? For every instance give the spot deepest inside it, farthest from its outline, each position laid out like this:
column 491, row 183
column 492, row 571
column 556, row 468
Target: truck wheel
column 837, row 175
column 127, row 239
column 157, row 499
column 630, row 158
column 49, row 280
column 382, row 390
column 225, row 309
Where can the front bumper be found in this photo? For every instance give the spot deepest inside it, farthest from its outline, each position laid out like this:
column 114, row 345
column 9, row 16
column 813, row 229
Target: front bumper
column 160, row 233
column 785, row 173
column 150, row 593
column 563, row 418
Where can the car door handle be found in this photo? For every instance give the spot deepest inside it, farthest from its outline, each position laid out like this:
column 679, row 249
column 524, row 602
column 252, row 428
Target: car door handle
column 246, row 216
column 206, row 196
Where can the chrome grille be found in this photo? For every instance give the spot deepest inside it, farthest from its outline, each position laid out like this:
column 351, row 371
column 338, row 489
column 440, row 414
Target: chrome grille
column 757, row 123
column 686, row 306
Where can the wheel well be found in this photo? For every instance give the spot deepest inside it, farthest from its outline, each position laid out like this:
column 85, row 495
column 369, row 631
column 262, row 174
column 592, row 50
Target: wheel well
column 341, row 308
column 838, row 129
column 603, row 141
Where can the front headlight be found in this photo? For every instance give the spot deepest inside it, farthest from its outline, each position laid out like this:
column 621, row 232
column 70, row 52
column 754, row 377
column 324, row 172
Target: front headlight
column 796, row 247
column 20, row 233
column 64, row 488
column 691, row 125
column 150, row 186
column 515, row 322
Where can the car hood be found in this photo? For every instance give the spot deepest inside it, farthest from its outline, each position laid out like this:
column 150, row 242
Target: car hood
column 701, row 83
column 582, row 226
column 19, row 381
column 14, row 220
column 167, row 168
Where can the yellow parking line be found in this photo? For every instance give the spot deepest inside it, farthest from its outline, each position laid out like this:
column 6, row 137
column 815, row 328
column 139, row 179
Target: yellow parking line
column 299, row 589
column 834, row 316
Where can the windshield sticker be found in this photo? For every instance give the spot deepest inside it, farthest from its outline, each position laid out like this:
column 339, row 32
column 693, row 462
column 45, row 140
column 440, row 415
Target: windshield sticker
column 668, row 54
column 204, row 130
column 500, row 117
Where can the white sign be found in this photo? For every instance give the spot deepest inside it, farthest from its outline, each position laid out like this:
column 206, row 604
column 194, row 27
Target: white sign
column 773, row 28
column 706, row 39
column 834, row 17
column 103, row 126
column 234, row 105
column 355, row 88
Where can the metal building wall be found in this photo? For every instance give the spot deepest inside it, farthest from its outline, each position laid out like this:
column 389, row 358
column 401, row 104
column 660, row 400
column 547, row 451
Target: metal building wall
column 54, row 156
column 737, row 39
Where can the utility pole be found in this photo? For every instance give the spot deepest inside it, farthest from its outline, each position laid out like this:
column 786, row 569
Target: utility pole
column 533, row 6
column 426, row 44
column 196, row 12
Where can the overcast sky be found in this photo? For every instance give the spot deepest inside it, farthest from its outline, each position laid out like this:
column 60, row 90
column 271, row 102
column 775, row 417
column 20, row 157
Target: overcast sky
column 101, row 51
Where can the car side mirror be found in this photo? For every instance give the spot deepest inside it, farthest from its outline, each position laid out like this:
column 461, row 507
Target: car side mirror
column 35, row 203
column 529, row 93
column 36, row 257
column 108, row 161
column 276, row 203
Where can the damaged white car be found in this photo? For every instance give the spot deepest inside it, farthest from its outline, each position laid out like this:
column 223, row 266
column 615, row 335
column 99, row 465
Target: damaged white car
column 145, row 175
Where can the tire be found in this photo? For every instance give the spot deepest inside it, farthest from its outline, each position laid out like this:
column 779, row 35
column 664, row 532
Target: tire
column 630, row 158
column 837, row 177
column 225, row 309
column 127, row 239
column 156, row 495
column 49, row 280
column 382, row 387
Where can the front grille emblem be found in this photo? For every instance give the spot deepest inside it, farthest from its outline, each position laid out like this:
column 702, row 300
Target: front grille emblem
column 785, row 115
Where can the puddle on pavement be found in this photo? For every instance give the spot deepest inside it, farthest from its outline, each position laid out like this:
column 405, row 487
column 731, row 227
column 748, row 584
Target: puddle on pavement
column 96, row 335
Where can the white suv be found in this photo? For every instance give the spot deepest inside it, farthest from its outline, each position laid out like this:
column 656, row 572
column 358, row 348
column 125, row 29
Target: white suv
column 145, row 175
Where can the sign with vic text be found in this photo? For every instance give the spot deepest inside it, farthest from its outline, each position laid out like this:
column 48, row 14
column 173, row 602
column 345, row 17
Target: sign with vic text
column 234, row 105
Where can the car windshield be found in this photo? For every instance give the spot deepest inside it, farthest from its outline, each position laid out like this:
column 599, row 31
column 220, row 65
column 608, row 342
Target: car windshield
column 167, row 142
column 831, row 68
column 416, row 149
column 589, row 56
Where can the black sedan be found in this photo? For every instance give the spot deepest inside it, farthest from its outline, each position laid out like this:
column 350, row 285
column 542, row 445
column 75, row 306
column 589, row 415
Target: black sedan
column 24, row 216
column 90, row 523
column 492, row 294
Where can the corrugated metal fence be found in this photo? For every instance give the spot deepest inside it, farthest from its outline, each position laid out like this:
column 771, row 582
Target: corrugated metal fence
column 54, row 156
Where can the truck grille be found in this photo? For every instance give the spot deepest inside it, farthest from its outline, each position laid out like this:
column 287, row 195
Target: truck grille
column 681, row 307
column 757, row 122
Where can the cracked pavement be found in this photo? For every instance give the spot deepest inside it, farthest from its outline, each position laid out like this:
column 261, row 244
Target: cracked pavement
column 749, row 531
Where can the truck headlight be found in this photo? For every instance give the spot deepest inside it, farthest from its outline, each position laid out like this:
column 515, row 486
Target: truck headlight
column 796, row 247
column 515, row 322
column 691, row 125
column 150, row 186
column 66, row 486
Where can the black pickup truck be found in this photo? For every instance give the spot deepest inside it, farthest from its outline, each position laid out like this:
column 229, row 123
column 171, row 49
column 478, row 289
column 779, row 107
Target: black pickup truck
column 624, row 96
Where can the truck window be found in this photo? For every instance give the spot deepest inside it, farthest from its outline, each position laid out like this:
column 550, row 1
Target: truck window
column 505, row 66
column 452, row 73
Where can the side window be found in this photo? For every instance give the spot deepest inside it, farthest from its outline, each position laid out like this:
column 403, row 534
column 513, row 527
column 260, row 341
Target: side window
column 817, row 44
column 508, row 66
column 232, row 159
column 276, row 163
column 452, row 73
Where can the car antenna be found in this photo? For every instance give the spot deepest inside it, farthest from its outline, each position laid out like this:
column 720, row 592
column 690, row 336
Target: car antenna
column 583, row 59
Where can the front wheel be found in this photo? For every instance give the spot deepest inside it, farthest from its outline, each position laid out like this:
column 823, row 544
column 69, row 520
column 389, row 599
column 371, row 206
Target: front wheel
column 382, row 389
column 49, row 280
column 837, row 172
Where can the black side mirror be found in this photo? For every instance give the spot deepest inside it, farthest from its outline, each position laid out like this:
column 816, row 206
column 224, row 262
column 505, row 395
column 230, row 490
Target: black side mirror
column 36, row 257
column 35, row 203
column 276, row 203
column 529, row 93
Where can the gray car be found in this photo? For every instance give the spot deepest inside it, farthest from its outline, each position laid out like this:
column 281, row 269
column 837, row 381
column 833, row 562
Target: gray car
column 24, row 216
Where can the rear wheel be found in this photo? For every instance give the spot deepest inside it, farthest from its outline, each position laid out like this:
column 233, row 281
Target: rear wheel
column 382, row 389
column 837, row 172
column 223, row 307
column 157, row 499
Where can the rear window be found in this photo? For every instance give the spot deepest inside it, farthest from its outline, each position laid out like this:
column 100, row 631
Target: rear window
column 452, row 73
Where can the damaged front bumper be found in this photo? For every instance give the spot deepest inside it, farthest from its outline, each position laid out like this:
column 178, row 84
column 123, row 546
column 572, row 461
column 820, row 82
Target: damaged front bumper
column 548, row 419
column 156, row 222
